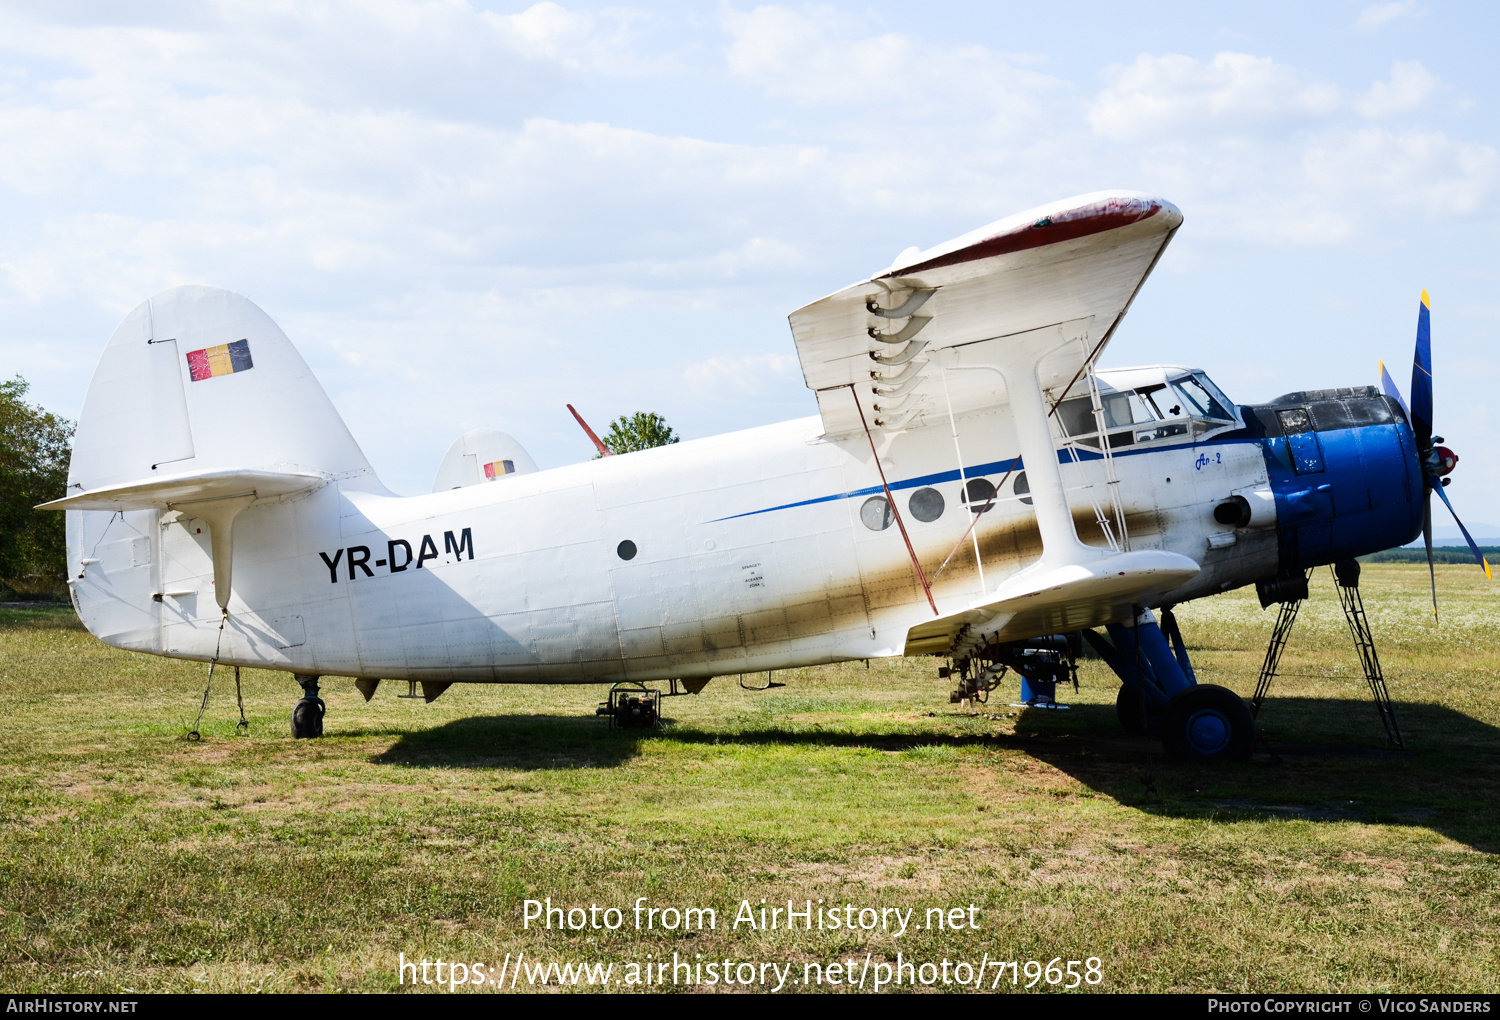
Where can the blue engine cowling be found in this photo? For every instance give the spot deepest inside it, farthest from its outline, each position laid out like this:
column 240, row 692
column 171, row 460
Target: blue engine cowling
column 1343, row 466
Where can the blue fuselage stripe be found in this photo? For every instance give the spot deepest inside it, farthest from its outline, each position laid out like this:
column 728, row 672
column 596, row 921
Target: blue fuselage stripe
column 1064, row 456
column 977, row 471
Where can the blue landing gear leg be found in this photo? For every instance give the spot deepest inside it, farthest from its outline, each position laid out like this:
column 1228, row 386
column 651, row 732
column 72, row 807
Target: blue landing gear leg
column 1160, row 693
column 1043, row 664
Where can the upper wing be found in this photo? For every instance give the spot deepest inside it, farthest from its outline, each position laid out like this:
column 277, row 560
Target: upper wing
column 1073, row 265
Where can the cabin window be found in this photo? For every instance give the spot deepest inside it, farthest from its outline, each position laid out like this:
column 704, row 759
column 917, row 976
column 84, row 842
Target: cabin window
column 978, row 493
column 876, row 514
column 926, row 505
column 1077, row 417
column 1122, row 411
column 1022, row 488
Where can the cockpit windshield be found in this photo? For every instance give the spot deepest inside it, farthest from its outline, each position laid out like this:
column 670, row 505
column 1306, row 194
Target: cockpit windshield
column 1203, row 397
column 1184, row 405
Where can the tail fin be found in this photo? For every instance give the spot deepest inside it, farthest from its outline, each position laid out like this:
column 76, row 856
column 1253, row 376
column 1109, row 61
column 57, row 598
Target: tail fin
column 199, row 380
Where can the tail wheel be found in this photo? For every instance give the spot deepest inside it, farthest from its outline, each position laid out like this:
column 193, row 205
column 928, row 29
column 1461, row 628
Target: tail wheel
column 307, row 718
column 1128, row 708
column 1207, row 723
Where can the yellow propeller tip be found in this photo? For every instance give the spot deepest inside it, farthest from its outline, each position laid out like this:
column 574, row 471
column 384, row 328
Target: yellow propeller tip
column 1426, row 301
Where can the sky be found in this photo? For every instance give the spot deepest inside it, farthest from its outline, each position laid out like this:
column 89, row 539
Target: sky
column 469, row 214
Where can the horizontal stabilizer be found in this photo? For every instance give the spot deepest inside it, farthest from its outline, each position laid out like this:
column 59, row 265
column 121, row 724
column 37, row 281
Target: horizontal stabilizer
column 216, row 497
column 1057, row 599
column 162, row 493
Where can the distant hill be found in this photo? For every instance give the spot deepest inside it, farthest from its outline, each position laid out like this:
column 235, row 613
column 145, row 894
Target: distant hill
column 1444, row 554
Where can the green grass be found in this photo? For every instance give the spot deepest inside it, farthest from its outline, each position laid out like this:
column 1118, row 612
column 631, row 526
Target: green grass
column 131, row 858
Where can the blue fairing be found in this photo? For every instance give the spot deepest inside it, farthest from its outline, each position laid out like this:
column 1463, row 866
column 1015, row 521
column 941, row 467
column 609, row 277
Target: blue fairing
column 1340, row 492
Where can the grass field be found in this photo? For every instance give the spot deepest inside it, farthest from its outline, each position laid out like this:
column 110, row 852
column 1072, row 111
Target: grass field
column 131, row 858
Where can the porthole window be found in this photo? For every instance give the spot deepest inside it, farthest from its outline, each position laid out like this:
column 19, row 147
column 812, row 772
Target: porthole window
column 1022, row 487
column 926, row 505
column 977, row 493
column 626, row 549
column 876, row 514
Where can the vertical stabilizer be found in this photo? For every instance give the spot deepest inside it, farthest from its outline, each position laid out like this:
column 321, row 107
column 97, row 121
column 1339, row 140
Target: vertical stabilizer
column 197, row 380
column 199, row 404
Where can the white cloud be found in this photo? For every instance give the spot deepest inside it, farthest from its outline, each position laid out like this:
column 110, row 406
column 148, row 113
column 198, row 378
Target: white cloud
column 825, row 58
column 745, row 376
column 1255, row 149
column 441, row 57
column 1234, row 94
column 1427, row 171
column 1377, row 16
column 1409, row 86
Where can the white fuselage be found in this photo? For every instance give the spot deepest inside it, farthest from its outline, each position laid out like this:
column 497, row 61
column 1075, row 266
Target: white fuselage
column 751, row 553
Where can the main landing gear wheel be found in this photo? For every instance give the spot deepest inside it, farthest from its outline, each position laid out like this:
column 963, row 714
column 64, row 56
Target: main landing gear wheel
column 1207, row 723
column 1128, row 709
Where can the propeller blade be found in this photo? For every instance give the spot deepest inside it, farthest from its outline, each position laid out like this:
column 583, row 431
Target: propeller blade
column 1427, row 538
column 1421, row 377
column 1392, row 390
column 1438, row 488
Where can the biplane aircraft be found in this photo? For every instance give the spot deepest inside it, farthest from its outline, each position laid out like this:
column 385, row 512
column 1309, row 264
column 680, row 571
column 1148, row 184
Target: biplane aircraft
column 973, row 489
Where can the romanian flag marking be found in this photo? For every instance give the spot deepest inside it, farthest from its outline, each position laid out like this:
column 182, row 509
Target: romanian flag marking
column 497, row 468
column 225, row 359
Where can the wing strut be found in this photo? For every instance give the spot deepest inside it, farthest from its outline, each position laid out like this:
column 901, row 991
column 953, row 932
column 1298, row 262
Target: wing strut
column 890, row 501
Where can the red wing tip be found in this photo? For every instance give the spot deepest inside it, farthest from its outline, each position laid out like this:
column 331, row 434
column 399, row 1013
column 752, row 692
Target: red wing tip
column 1101, row 214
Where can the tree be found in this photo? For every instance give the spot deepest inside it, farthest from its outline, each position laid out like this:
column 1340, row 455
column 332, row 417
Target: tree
column 640, row 431
column 34, row 451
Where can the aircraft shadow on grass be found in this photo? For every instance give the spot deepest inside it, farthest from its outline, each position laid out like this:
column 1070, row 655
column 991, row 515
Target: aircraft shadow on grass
column 1323, row 760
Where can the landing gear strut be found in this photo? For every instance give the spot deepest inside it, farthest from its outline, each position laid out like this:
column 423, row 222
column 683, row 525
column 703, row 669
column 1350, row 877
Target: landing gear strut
column 632, row 706
column 1160, row 693
column 307, row 714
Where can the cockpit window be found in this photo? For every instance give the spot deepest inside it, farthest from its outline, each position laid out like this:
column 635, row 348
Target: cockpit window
column 1188, row 405
column 1121, row 409
column 1163, row 401
column 1202, row 397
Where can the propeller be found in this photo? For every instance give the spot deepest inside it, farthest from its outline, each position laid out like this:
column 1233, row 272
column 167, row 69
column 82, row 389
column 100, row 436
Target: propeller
column 1436, row 460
